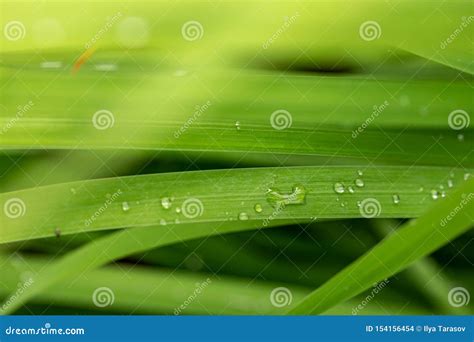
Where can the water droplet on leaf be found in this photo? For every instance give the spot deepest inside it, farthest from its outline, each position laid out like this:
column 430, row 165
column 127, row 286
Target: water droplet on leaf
column 243, row 216
column 166, row 202
column 125, row 206
column 339, row 188
column 277, row 199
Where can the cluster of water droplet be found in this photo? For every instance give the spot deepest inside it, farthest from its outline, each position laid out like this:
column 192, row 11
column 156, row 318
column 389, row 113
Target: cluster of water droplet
column 340, row 188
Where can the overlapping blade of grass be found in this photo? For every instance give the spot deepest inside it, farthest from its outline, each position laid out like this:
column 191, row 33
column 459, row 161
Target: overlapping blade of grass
column 443, row 222
column 141, row 290
column 309, row 193
column 424, row 274
column 247, row 29
column 314, row 115
column 121, row 244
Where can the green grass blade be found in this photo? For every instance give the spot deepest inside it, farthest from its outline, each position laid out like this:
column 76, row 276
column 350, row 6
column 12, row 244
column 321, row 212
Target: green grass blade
column 219, row 196
column 118, row 245
column 409, row 125
column 140, row 290
column 415, row 240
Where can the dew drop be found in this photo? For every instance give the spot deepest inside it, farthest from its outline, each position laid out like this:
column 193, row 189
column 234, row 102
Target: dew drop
column 443, row 194
column 166, row 202
column 450, row 183
column 396, row 199
column 359, row 183
column 278, row 200
column 434, row 194
column 359, row 172
column 237, row 125
column 461, row 137
column 351, row 189
column 258, row 208
column 125, row 206
column 243, row 216
column 339, row 188
column 466, row 176
column 178, row 210
column 162, row 222
column 359, row 204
